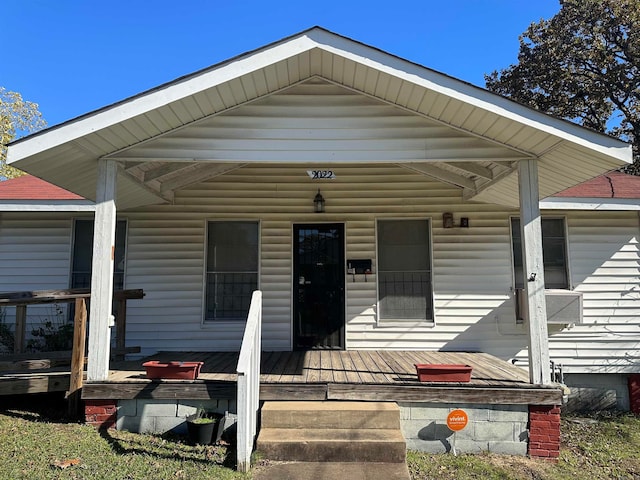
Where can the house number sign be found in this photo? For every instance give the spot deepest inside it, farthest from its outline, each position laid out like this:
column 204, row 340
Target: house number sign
column 321, row 174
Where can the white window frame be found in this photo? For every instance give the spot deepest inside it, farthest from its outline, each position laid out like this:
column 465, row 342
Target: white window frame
column 566, row 249
column 209, row 323
column 73, row 249
column 406, row 322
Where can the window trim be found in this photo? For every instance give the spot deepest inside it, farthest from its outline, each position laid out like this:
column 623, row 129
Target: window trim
column 565, row 225
column 72, row 245
column 214, row 324
column 407, row 322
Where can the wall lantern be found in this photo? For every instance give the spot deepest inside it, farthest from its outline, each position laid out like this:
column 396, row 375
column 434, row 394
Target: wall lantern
column 318, row 202
column 447, row 220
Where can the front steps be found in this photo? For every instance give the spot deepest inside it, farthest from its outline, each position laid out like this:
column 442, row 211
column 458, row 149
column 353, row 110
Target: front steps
column 333, row 432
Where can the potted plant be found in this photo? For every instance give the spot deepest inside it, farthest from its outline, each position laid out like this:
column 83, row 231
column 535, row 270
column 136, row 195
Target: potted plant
column 201, row 426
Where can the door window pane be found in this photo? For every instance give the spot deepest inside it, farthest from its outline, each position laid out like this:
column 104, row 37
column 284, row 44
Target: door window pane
column 232, row 269
column 404, row 270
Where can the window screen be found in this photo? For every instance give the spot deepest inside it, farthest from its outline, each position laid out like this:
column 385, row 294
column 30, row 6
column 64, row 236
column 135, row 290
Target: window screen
column 232, row 269
column 404, row 270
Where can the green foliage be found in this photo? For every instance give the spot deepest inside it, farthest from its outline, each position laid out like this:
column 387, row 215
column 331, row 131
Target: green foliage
column 52, row 335
column 7, row 337
column 202, row 417
column 17, row 117
column 582, row 65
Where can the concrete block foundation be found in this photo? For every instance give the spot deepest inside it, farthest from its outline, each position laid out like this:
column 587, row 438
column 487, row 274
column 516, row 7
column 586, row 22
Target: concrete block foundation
column 596, row 392
column 152, row 416
column 491, row 428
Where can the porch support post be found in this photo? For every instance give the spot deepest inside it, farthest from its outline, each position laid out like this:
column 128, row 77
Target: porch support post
column 533, row 269
column 100, row 315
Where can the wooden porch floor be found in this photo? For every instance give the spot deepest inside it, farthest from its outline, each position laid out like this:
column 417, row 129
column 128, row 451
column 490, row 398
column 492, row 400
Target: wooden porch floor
column 331, row 375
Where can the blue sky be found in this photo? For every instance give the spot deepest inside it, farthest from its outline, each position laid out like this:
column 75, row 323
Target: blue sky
column 74, row 56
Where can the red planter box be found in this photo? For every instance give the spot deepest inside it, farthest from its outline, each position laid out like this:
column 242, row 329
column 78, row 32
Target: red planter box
column 433, row 372
column 173, row 370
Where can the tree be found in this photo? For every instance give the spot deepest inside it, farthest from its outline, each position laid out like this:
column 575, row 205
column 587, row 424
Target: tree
column 17, row 117
column 582, row 65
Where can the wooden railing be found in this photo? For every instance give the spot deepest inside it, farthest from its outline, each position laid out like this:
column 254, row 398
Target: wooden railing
column 249, row 382
column 22, row 299
column 79, row 295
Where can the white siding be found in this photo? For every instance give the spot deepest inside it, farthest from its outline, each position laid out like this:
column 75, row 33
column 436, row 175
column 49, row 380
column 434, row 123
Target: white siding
column 35, row 252
column 605, row 265
column 472, row 273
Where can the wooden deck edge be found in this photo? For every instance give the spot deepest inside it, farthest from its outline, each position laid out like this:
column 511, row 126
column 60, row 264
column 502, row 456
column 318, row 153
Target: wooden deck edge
column 159, row 390
column 45, row 383
column 433, row 394
column 204, row 390
column 293, row 391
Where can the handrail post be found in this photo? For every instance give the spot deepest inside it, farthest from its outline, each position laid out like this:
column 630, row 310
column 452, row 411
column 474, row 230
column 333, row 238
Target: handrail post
column 121, row 328
column 77, row 356
column 248, row 370
column 21, row 329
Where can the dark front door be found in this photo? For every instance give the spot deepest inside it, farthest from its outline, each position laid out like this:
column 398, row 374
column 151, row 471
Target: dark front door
column 318, row 286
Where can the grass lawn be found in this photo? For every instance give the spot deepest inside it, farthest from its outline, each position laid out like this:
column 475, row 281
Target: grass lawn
column 37, row 443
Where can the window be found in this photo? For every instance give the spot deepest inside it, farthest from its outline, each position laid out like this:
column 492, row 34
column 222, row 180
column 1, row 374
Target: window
column 232, row 269
column 83, row 254
column 554, row 253
column 404, row 270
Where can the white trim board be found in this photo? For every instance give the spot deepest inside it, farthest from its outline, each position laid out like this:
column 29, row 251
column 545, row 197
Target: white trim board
column 575, row 203
column 50, row 206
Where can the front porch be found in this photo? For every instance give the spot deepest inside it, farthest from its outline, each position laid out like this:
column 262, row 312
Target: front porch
column 507, row 413
column 370, row 375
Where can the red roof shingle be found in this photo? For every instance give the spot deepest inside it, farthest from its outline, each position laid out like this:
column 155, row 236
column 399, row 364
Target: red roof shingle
column 609, row 185
column 29, row 187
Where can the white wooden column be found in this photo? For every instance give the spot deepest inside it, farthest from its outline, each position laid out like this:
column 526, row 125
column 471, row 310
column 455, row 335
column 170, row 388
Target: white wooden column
column 533, row 269
column 100, row 315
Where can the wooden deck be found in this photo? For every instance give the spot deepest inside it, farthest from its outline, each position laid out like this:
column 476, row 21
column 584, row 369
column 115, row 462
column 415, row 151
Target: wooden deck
column 332, row 375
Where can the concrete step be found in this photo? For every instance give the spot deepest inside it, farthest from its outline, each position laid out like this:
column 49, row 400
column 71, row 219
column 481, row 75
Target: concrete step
column 331, row 471
column 332, row 445
column 361, row 415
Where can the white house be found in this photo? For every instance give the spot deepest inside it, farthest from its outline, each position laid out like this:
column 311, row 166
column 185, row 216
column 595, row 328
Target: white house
column 375, row 202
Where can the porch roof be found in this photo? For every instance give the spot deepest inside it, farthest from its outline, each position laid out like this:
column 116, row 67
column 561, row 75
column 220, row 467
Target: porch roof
column 567, row 153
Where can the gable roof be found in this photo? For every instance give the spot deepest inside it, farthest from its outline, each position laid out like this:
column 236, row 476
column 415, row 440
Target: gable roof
column 567, row 153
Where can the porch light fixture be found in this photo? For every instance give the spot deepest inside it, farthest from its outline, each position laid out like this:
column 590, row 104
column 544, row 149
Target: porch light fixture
column 318, row 203
column 447, row 220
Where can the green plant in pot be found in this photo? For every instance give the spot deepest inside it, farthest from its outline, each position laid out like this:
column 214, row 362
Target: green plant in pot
column 201, row 427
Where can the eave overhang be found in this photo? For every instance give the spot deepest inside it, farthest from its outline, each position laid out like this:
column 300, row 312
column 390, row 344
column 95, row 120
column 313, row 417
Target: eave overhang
column 567, row 153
